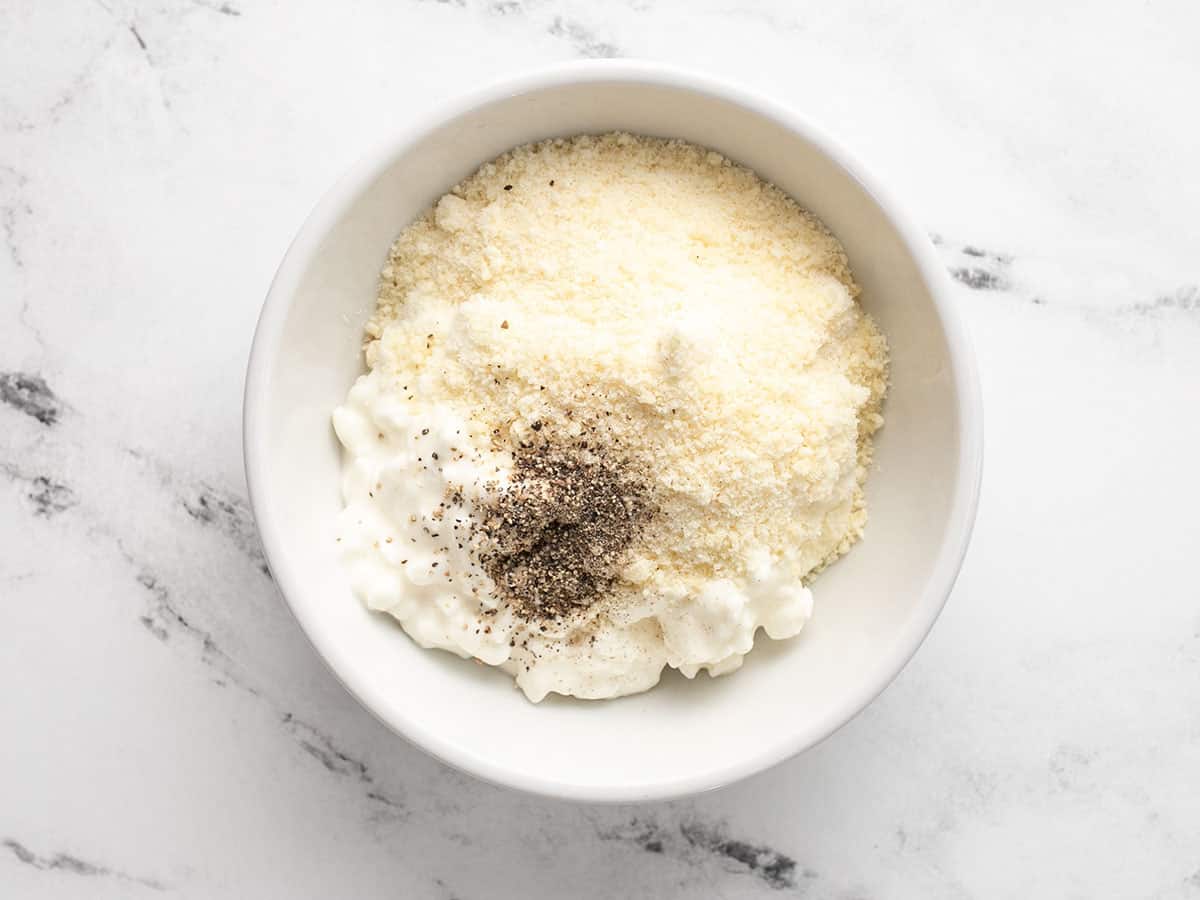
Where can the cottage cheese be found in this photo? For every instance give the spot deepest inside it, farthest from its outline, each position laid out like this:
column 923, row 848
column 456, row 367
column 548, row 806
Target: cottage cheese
column 648, row 300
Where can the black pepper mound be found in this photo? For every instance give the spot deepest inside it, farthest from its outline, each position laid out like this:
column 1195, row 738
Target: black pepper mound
column 554, row 538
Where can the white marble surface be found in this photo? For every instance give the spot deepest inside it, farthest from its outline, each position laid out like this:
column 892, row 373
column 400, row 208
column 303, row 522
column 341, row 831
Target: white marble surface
column 167, row 730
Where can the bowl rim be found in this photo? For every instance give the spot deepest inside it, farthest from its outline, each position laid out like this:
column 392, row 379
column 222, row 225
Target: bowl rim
column 334, row 204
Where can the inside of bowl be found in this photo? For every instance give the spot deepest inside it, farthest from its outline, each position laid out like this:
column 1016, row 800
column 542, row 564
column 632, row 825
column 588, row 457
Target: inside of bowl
column 870, row 609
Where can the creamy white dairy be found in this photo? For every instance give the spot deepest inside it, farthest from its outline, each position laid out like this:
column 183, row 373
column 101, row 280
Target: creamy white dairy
column 641, row 302
column 402, row 564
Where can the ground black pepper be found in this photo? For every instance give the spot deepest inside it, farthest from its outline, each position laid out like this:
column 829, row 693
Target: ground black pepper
column 554, row 538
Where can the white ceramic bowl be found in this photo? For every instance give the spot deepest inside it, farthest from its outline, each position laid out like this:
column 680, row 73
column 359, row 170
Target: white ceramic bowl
column 872, row 609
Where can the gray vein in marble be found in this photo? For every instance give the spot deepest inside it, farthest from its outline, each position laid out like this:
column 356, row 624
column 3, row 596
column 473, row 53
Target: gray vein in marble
column 979, row 279
column 978, row 269
column 223, row 8
column 15, row 212
column 29, row 393
column 165, row 621
column 25, row 318
column 163, row 618
column 13, row 208
column 583, row 39
column 694, row 840
column 1184, row 299
column 47, row 496
column 231, row 516
column 68, row 863
column 987, row 270
column 226, row 512
column 78, row 83
column 132, row 29
column 322, row 748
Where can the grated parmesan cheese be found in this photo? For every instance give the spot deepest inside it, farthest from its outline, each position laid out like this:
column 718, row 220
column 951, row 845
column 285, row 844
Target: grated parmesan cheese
column 670, row 307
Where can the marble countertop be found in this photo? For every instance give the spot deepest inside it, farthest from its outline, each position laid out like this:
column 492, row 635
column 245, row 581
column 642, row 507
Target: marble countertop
column 167, row 729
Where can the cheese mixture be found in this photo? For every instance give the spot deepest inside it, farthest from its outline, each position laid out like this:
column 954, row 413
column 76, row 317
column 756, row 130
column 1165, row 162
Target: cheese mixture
column 618, row 414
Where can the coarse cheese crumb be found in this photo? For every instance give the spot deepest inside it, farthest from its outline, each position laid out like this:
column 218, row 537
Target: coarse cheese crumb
column 662, row 303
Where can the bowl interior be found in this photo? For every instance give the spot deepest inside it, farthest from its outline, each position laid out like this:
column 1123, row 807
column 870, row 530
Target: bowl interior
column 872, row 608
